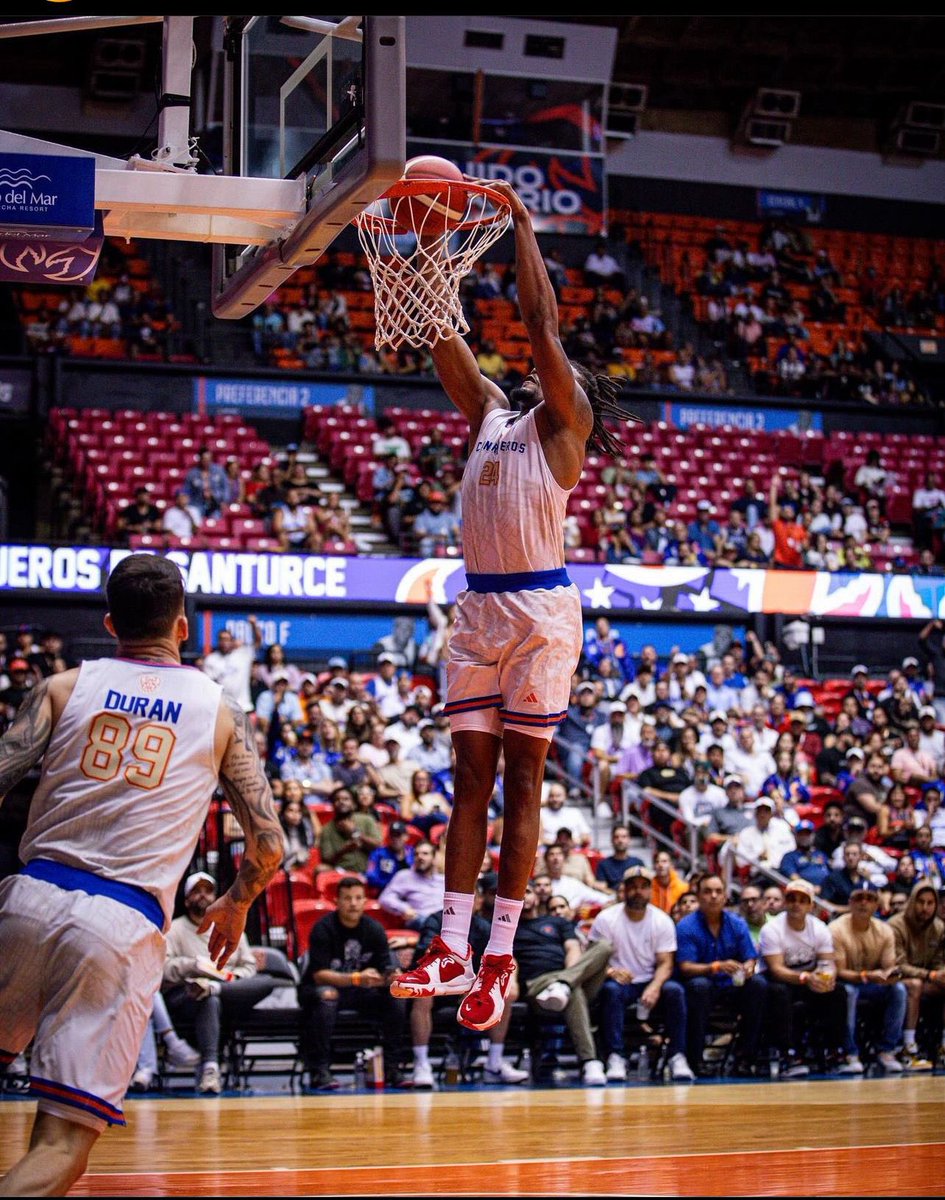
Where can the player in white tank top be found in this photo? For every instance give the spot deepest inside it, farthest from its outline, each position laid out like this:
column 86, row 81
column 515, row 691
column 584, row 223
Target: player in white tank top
column 518, row 632
column 131, row 752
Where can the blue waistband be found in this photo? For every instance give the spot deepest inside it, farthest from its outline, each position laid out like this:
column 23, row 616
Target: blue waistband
column 72, row 879
column 518, row 581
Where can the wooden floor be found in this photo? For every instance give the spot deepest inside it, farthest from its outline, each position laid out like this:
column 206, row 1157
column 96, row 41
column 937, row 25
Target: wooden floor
column 863, row 1137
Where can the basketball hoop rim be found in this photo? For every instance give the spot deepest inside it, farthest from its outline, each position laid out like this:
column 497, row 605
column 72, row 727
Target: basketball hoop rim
column 437, row 187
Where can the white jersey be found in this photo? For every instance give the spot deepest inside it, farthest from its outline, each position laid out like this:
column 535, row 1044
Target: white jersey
column 513, row 507
column 128, row 775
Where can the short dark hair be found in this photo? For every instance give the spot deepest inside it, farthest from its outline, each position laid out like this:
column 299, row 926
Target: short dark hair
column 145, row 596
column 348, row 882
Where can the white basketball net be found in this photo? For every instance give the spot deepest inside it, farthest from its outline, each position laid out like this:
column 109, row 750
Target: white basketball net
column 417, row 265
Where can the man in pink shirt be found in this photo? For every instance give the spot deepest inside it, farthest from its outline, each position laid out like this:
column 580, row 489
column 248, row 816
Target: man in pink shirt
column 911, row 765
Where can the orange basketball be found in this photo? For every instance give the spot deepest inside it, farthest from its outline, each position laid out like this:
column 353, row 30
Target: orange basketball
column 430, row 213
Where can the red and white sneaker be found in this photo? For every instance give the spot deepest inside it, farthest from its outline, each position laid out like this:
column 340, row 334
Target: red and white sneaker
column 485, row 1003
column 440, row 972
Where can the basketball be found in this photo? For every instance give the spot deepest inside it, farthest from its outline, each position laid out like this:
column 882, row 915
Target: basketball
column 431, row 215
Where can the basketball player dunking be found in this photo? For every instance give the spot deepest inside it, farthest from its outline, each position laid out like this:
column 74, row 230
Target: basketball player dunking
column 518, row 632
column 132, row 749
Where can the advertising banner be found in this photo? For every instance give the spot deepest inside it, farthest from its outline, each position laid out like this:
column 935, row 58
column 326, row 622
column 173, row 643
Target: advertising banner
column 683, row 414
column 324, row 580
column 564, row 193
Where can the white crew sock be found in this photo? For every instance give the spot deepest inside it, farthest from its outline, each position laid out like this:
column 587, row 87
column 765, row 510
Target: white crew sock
column 494, row 1061
column 457, row 917
column 505, row 917
column 421, row 1056
column 908, row 1037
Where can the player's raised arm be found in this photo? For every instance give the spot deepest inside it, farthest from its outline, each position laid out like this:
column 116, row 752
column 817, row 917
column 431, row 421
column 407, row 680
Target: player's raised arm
column 565, row 399
column 247, row 790
column 24, row 743
column 469, row 390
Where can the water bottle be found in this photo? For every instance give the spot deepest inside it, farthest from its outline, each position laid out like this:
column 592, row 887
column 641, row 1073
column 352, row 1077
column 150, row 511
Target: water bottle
column 451, row 1068
column 643, row 1065
column 376, row 1076
column 525, row 1062
column 360, row 1071
column 774, row 1065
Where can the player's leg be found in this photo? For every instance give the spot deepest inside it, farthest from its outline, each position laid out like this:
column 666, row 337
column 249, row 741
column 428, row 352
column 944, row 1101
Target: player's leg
column 58, row 1155
column 525, row 755
column 446, row 968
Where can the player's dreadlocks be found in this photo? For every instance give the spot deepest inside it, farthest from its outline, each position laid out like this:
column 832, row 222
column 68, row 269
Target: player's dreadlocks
column 601, row 391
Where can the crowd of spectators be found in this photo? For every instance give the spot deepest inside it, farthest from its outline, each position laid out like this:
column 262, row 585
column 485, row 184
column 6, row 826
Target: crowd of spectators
column 805, row 520
column 790, row 831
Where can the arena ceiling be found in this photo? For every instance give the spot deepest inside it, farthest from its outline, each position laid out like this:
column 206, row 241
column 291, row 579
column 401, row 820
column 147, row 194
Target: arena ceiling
column 846, row 67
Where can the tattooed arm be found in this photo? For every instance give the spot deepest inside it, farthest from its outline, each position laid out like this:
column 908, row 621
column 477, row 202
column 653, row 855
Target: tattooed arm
column 247, row 790
column 24, row 743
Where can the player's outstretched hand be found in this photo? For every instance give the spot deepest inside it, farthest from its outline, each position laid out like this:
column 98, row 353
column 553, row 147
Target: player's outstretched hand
column 226, row 921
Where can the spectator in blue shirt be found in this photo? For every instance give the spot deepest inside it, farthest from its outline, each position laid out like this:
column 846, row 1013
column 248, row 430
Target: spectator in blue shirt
column 704, row 530
column 384, row 862
column 603, row 641
column 716, row 960
column 806, row 862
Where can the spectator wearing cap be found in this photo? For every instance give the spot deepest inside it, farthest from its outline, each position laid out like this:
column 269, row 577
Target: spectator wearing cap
column 395, row 855
column 498, row 1069
column 395, row 775
column 308, row 769
column 918, row 685
column 572, row 738
column 22, row 680
column 762, row 843
column 805, row 861
column 859, row 691
column 278, row 703
column 642, row 959
column 717, row 960
column 725, row 823
column 415, row 892
column 193, row 988
column 557, row 976
column 910, row 765
column 610, row 740
column 798, row 957
column 931, row 738
column 436, row 528
column 382, row 687
column 717, row 733
column 705, row 531
column 751, row 762
column 337, row 701
column 867, row 968
column 431, row 753
column 682, row 681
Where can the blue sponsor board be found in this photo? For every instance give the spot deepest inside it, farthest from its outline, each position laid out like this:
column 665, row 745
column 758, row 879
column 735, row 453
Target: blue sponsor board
column 47, row 196
column 264, row 398
column 312, row 633
column 685, row 414
column 791, row 204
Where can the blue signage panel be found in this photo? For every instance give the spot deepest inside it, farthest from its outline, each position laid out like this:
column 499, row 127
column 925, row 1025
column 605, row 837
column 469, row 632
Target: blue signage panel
column 685, row 413
column 47, row 195
column 264, row 398
column 791, row 204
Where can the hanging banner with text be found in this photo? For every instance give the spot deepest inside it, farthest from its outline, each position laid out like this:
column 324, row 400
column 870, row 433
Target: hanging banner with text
column 307, row 578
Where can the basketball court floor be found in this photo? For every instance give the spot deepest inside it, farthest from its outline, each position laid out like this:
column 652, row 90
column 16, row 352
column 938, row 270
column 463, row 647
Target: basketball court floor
column 818, row 1137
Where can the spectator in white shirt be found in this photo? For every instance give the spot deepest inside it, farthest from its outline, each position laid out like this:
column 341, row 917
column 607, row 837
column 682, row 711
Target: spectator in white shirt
column 749, row 761
column 717, row 734
column 764, row 842
column 556, row 814
column 697, row 801
column 608, row 741
column 931, row 738
column 181, row 519
column 719, row 693
column 231, row 664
